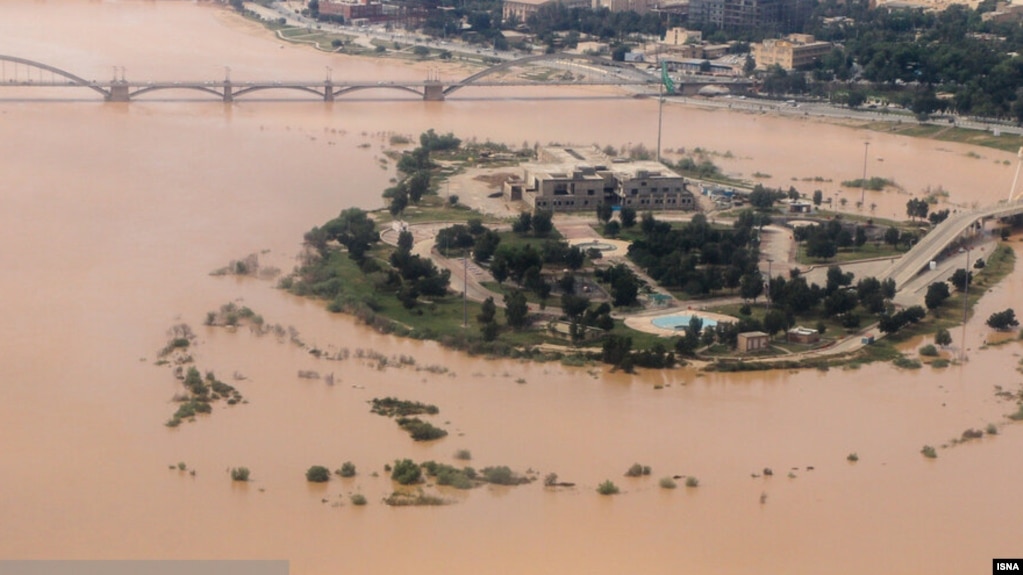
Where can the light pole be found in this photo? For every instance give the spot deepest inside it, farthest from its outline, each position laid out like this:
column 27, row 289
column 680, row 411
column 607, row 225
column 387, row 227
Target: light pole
column 767, row 284
column 863, row 188
column 966, row 302
column 465, row 289
column 1019, row 162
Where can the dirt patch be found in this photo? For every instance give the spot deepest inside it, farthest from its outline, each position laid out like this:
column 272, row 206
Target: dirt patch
column 496, row 179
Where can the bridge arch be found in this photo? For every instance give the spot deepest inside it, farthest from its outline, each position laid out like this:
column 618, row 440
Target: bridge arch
column 252, row 89
column 528, row 60
column 350, row 89
column 63, row 73
column 149, row 89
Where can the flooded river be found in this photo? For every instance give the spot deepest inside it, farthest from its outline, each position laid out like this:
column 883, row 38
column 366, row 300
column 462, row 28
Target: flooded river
column 113, row 215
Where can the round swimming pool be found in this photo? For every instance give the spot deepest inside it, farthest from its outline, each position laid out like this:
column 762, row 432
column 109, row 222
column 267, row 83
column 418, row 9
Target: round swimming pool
column 679, row 322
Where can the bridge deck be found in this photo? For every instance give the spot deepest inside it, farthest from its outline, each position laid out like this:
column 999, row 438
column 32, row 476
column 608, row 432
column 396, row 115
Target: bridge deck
column 940, row 238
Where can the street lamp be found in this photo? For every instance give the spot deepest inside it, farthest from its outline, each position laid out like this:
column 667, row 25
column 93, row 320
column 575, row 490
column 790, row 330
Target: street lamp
column 1019, row 156
column 863, row 188
column 966, row 302
column 465, row 289
column 767, row 284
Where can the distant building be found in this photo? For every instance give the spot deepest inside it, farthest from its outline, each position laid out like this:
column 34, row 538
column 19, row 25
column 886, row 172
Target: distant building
column 679, row 36
column 792, row 52
column 355, row 10
column 752, row 341
column 523, row 9
column 638, row 6
column 800, row 207
column 566, row 179
column 749, row 14
column 1004, row 12
column 700, row 66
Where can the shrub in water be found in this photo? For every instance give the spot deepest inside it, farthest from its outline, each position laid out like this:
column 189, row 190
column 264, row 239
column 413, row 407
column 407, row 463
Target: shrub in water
column 501, row 475
column 929, row 452
column 637, row 470
column 358, row 499
column 607, row 488
column 668, row 483
column 463, row 455
column 347, row 469
column 239, row 473
column 853, row 457
column 692, row 482
column 421, row 430
column 406, row 472
column 317, row 474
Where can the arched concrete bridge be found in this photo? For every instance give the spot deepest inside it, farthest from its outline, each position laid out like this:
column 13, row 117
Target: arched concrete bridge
column 37, row 74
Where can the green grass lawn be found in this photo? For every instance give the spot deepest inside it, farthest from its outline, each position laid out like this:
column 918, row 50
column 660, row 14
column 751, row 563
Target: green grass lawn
column 949, row 133
column 868, row 250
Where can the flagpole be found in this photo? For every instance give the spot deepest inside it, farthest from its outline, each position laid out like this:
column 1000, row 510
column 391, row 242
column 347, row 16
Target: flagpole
column 660, row 118
column 664, row 83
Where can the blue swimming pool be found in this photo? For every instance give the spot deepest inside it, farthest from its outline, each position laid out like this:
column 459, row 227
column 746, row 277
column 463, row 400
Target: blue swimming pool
column 679, row 322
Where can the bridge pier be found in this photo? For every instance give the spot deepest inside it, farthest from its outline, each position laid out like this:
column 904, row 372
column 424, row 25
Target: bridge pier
column 118, row 92
column 433, row 91
column 328, row 91
column 228, row 92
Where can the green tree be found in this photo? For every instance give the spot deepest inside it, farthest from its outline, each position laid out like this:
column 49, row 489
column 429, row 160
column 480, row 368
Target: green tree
column 774, row 321
column 627, row 215
column 818, row 197
column 860, row 237
column 1003, row 320
column 751, row 286
column 943, row 338
column 516, row 309
column 418, row 185
column 604, row 212
column 542, row 223
column 616, row 349
column 916, row 208
column 937, row 293
column 612, row 228
column 405, row 241
column 624, row 286
column 487, row 311
column 960, row 278
column 399, row 201
column 891, row 236
column 485, row 245
column 489, row 331
column 574, row 305
column 523, row 224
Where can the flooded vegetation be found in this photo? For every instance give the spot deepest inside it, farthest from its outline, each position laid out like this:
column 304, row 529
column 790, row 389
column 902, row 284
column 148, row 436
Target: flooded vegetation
column 114, row 215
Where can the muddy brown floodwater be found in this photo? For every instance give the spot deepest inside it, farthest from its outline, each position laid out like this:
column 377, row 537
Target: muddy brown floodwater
column 113, row 216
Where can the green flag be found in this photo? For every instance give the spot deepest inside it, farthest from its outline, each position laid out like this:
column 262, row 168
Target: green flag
column 669, row 84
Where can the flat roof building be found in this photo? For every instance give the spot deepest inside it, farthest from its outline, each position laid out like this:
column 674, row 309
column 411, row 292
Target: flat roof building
column 523, row 9
column 571, row 179
column 792, row 52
